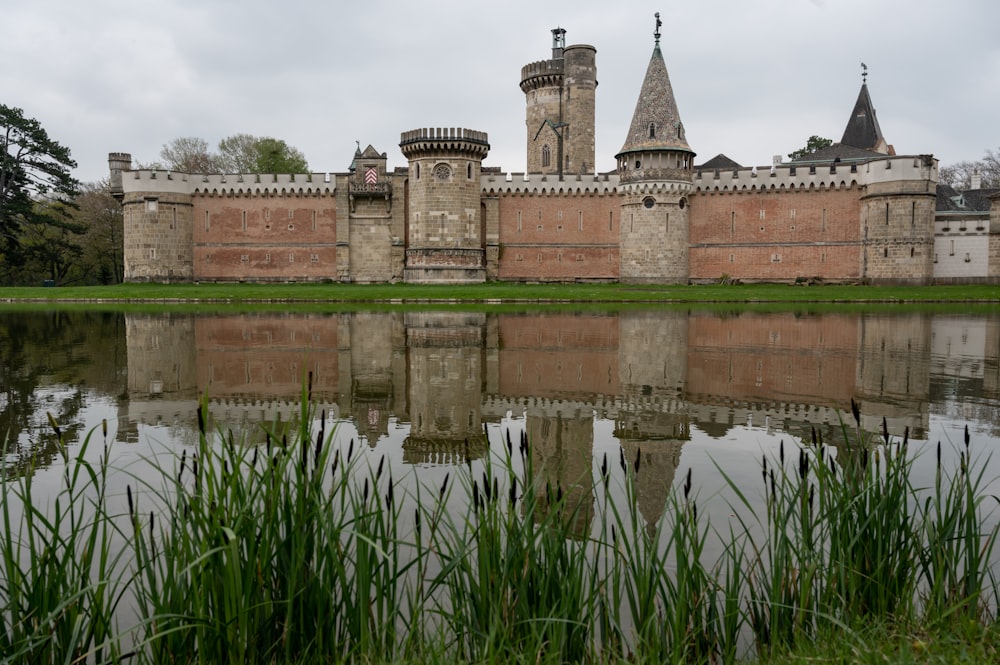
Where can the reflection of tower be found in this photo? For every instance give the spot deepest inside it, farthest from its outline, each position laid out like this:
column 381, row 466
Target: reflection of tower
column 162, row 376
column 561, row 444
column 445, row 240
column 653, row 357
column 893, row 379
column 372, row 349
column 445, row 361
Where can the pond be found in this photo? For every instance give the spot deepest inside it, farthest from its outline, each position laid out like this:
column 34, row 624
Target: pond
column 701, row 396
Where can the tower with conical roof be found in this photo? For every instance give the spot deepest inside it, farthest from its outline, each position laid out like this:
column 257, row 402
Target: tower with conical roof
column 862, row 129
column 655, row 173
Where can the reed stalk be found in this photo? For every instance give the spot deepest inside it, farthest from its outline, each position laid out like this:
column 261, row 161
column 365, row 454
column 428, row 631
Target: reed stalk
column 304, row 550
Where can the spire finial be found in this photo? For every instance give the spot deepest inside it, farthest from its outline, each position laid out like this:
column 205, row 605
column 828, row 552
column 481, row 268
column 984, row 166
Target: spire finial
column 658, row 24
column 864, row 74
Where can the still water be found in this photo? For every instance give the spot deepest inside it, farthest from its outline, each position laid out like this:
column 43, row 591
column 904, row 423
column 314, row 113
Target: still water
column 693, row 390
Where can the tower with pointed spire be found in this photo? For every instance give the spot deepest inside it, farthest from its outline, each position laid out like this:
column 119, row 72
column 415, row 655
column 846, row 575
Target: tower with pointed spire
column 655, row 174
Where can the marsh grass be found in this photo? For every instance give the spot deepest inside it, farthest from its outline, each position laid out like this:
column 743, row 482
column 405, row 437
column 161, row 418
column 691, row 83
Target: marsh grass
column 302, row 550
column 849, row 543
column 59, row 588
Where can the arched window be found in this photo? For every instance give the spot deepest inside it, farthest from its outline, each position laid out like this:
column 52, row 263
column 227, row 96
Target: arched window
column 546, row 156
column 652, row 130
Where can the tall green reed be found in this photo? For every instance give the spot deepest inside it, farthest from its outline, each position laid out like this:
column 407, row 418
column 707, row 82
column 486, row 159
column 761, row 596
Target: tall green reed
column 516, row 581
column 677, row 607
column 59, row 587
column 300, row 550
column 954, row 562
column 846, row 541
column 271, row 555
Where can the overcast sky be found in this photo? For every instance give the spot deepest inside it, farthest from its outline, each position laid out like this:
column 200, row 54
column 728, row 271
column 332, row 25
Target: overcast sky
column 752, row 79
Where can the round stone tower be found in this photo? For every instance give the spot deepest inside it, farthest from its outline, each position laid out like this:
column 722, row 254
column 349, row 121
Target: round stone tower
column 445, row 242
column 560, row 95
column 654, row 168
column 157, row 210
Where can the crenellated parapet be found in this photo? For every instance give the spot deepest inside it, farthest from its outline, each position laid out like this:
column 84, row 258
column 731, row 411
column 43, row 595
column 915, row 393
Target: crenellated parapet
column 450, row 140
column 537, row 184
column 541, row 74
column 251, row 185
column 828, row 175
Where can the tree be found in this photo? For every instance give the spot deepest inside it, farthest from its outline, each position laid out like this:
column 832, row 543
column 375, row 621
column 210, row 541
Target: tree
column 959, row 175
column 814, row 144
column 101, row 215
column 33, row 169
column 50, row 246
column 189, row 154
column 239, row 153
column 276, row 156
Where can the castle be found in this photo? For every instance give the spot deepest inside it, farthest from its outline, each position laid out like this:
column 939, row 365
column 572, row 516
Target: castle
column 853, row 212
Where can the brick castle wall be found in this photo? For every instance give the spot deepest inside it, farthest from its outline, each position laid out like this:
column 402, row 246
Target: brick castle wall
column 552, row 237
column 278, row 238
column 776, row 234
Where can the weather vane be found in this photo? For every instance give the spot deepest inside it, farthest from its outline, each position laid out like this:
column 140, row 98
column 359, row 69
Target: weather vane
column 658, row 24
column 864, row 73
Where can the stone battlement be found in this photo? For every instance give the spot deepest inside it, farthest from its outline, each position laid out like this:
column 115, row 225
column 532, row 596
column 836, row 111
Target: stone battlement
column 252, row 184
column 538, row 183
column 543, row 72
column 443, row 134
column 816, row 176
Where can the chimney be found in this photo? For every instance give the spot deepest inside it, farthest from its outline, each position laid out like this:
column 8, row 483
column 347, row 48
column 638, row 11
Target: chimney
column 118, row 162
column 977, row 181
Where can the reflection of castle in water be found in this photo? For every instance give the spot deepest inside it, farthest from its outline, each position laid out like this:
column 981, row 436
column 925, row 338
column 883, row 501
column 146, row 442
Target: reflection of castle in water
column 655, row 374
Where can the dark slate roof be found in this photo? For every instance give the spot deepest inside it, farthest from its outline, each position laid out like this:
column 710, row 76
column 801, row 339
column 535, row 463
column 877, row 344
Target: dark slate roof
column 862, row 129
column 656, row 108
column 718, row 163
column 950, row 199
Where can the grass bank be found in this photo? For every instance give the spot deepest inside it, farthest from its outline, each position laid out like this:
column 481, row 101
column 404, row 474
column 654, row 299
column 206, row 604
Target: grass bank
column 498, row 293
column 299, row 551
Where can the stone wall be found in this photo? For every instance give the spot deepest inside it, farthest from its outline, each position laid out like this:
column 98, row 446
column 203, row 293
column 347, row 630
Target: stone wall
column 580, row 83
column 157, row 235
column 654, row 233
column 897, row 219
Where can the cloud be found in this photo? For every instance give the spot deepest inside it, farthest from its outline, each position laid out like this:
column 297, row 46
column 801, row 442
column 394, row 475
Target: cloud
column 752, row 80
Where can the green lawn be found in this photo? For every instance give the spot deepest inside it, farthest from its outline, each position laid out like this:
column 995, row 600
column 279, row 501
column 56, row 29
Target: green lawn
column 497, row 293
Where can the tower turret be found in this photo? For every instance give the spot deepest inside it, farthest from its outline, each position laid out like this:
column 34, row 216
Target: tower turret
column 560, row 96
column 444, row 241
column 655, row 170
